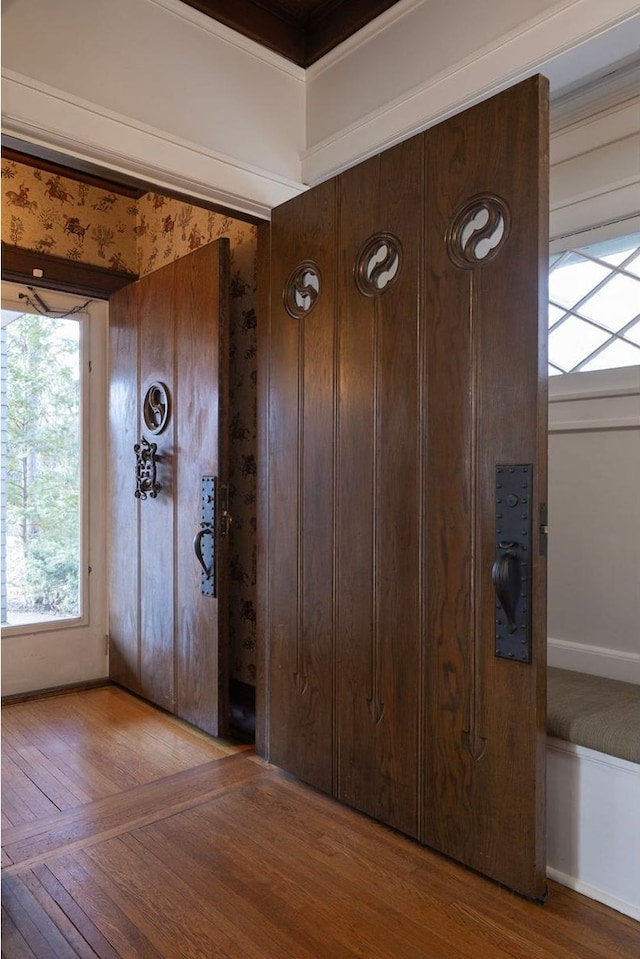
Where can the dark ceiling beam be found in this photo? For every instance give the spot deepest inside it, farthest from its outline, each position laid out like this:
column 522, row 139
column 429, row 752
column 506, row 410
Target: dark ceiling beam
column 300, row 31
column 254, row 21
column 340, row 22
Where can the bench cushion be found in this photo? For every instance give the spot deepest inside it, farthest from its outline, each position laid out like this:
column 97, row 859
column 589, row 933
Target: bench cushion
column 601, row 714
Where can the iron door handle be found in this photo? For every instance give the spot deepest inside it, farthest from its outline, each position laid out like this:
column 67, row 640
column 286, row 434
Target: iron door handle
column 506, row 581
column 197, row 548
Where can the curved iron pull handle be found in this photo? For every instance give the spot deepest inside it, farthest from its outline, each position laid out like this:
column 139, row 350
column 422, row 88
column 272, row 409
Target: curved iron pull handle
column 505, row 574
column 197, row 548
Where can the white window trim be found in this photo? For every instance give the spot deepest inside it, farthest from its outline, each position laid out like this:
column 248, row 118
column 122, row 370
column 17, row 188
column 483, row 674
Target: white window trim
column 57, row 653
column 595, row 234
column 595, row 400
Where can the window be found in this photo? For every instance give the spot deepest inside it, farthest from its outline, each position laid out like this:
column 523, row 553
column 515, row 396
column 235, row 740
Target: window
column 594, row 307
column 45, row 366
column 42, row 469
column 41, row 428
column 61, row 639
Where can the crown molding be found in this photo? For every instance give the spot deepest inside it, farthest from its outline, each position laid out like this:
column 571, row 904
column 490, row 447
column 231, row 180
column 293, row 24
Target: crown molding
column 39, row 114
column 541, row 46
column 597, row 95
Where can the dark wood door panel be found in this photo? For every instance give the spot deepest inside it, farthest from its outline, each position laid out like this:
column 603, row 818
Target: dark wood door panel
column 156, row 332
column 487, row 717
column 202, row 425
column 379, row 642
column 390, row 405
column 124, row 646
column 301, row 490
column 168, row 641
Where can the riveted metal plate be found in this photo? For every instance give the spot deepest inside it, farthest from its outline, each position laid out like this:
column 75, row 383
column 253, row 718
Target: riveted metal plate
column 512, row 568
column 208, row 539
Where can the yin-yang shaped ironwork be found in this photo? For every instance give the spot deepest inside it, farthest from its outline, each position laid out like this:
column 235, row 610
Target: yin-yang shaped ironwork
column 302, row 289
column 378, row 263
column 156, row 408
column 478, row 231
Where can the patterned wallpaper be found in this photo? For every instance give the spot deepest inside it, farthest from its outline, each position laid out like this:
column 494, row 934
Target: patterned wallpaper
column 52, row 214
column 55, row 215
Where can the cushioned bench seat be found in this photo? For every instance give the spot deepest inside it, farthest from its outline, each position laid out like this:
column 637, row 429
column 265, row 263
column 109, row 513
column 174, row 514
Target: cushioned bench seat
column 601, row 714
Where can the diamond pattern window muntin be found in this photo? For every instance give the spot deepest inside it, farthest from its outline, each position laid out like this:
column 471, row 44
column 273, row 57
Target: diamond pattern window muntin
column 613, row 305
column 595, row 292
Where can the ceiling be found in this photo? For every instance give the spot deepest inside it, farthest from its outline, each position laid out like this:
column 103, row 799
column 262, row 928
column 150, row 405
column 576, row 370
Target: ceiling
column 300, row 30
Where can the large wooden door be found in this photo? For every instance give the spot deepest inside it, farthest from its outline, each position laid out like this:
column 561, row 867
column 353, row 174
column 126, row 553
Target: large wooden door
column 404, row 369
column 168, row 637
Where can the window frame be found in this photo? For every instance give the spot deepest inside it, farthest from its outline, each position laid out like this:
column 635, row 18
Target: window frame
column 92, row 568
column 576, row 243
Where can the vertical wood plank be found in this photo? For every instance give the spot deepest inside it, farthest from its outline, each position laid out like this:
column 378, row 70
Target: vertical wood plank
column 262, row 531
column 379, row 624
column 486, row 327
column 300, row 534
column 201, row 285
column 157, row 557
column 124, row 643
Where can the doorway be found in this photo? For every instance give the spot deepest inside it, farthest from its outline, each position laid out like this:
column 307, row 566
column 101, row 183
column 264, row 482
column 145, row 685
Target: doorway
column 124, row 232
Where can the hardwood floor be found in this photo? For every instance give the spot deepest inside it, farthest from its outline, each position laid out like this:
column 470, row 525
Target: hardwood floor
column 127, row 833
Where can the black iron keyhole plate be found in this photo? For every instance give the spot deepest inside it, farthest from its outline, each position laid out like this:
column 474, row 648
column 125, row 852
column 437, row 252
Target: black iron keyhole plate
column 513, row 531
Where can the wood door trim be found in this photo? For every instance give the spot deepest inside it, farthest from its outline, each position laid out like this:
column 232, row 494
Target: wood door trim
column 52, row 691
column 59, row 273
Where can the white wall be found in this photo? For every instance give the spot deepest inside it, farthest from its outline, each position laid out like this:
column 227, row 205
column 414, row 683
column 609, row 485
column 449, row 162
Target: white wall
column 594, row 523
column 595, row 154
column 594, row 418
column 154, row 88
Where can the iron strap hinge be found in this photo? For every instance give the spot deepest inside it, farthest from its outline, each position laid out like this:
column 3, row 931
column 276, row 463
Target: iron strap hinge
column 544, row 529
column 225, row 515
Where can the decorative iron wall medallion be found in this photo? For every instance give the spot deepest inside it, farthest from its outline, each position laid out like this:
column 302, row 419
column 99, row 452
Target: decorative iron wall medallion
column 377, row 264
column 302, row 289
column 478, row 231
column 155, row 407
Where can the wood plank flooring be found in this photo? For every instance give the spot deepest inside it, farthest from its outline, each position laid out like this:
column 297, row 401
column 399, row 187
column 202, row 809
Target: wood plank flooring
column 127, row 833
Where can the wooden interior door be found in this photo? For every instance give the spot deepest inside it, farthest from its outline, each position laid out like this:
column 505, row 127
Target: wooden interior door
column 404, row 366
column 168, row 639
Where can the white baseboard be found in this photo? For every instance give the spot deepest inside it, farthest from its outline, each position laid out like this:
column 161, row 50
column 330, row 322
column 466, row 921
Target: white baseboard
column 593, row 828
column 595, row 660
column 592, row 892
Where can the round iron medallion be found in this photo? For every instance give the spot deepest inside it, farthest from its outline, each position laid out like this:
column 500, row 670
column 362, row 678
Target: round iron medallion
column 155, row 407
